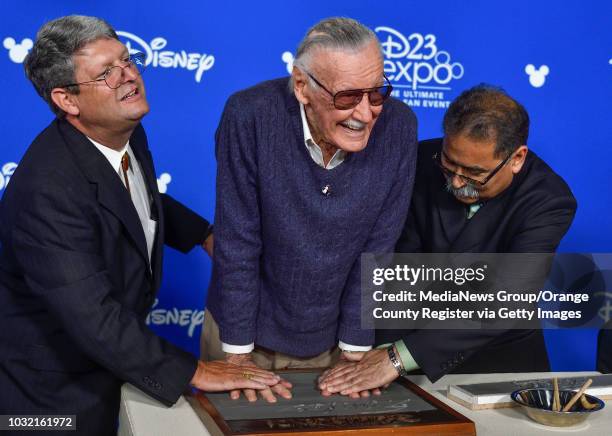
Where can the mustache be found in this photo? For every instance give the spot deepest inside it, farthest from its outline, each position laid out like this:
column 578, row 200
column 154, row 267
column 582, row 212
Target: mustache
column 466, row 191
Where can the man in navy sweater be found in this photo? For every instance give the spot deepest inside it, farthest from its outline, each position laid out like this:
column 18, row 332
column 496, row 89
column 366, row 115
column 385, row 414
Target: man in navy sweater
column 313, row 171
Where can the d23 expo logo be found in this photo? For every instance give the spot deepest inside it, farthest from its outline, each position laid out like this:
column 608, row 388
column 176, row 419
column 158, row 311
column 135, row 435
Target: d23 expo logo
column 420, row 73
column 157, row 57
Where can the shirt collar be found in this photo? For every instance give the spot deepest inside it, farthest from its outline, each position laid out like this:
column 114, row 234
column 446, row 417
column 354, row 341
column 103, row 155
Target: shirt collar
column 472, row 209
column 307, row 135
column 113, row 156
column 315, row 150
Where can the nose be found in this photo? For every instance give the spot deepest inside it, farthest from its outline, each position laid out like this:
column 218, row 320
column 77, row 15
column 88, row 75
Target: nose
column 129, row 72
column 364, row 111
column 457, row 182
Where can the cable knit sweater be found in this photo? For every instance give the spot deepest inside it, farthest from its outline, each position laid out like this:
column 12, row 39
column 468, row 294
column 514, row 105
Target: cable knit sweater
column 286, row 272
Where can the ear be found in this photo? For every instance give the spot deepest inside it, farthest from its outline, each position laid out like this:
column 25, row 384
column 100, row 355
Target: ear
column 65, row 101
column 299, row 83
column 27, row 43
column 516, row 164
column 8, row 43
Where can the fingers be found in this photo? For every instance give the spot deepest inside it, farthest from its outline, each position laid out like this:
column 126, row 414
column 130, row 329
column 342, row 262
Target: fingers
column 261, row 376
column 252, row 384
column 323, row 375
column 250, row 395
column 252, row 387
column 336, row 375
column 267, row 395
column 342, row 384
column 263, row 381
column 340, row 370
column 282, row 389
column 336, row 380
column 287, row 384
column 359, row 383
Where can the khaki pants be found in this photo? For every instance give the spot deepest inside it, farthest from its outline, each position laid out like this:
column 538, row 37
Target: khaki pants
column 210, row 349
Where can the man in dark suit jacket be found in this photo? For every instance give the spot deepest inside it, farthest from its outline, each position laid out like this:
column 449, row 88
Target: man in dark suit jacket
column 82, row 240
column 604, row 349
column 478, row 190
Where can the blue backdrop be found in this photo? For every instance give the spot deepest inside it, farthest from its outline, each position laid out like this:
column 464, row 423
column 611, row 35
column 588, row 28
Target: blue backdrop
column 555, row 57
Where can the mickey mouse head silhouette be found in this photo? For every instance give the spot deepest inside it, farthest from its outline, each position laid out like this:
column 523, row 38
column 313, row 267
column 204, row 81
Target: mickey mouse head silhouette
column 5, row 174
column 18, row 52
column 287, row 58
column 537, row 77
column 162, row 182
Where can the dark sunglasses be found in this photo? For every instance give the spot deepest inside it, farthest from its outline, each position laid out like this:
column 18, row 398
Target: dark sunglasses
column 350, row 98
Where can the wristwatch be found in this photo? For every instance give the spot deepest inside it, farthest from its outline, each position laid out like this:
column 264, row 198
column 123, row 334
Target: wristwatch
column 395, row 361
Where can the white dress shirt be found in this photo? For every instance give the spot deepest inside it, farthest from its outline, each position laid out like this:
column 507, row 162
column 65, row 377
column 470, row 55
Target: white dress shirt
column 317, row 155
column 138, row 188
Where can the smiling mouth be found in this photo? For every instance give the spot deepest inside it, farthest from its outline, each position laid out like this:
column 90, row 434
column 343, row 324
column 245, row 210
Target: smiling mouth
column 353, row 127
column 130, row 95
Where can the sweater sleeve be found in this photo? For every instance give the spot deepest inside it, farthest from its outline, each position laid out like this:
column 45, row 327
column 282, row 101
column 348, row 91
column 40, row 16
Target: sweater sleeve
column 237, row 228
column 385, row 232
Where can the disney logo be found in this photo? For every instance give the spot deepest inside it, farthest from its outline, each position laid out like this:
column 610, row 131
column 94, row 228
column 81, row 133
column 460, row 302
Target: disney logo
column 157, row 57
column 190, row 318
column 7, row 171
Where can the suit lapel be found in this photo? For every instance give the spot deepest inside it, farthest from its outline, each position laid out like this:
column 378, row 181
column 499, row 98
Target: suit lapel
column 112, row 194
column 141, row 151
column 451, row 214
column 483, row 223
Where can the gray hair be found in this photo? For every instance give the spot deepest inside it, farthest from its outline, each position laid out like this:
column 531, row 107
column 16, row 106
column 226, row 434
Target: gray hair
column 50, row 64
column 488, row 113
column 335, row 33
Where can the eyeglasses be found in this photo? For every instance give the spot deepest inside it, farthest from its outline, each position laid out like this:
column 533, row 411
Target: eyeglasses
column 350, row 98
column 437, row 157
column 113, row 75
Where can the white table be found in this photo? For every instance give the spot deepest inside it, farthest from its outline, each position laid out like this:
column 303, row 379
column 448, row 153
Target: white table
column 141, row 415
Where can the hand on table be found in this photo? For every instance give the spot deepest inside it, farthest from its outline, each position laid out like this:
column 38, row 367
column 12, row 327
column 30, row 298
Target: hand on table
column 371, row 370
column 220, row 375
column 282, row 387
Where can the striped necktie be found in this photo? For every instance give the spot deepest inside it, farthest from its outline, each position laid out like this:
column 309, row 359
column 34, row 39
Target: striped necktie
column 125, row 165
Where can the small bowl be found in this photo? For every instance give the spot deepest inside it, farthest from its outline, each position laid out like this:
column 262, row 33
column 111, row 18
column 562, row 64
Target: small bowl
column 537, row 403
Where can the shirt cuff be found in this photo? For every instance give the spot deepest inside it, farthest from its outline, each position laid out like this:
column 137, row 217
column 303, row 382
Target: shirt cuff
column 349, row 347
column 237, row 349
column 408, row 361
